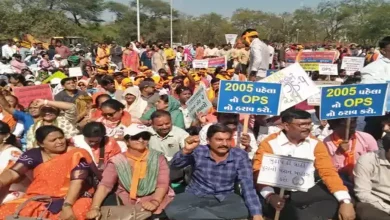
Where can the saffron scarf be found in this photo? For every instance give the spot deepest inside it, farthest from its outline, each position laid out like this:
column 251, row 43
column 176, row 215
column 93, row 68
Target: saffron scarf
column 141, row 178
column 349, row 161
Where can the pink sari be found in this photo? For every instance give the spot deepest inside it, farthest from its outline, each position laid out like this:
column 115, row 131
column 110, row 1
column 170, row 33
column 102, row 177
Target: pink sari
column 131, row 60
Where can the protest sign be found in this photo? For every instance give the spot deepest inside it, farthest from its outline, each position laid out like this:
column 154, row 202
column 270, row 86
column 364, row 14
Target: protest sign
column 270, row 72
column 201, row 64
column 352, row 64
column 198, row 102
column 29, row 93
column 315, row 100
column 249, row 97
column 231, row 38
column 310, row 60
column 328, row 69
column 286, row 172
column 217, row 62
column 353, row 101
column 75, row 72
column 296, row 85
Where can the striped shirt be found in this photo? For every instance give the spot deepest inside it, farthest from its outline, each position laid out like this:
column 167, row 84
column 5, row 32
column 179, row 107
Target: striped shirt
column 210, row 178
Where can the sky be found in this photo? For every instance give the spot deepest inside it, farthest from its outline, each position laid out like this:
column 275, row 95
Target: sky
column 227, row 7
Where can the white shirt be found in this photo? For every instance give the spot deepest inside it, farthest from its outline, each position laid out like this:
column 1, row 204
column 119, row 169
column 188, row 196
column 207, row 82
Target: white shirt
column 376, row 72
column 259, row 58
column 211, row 52
column 7, row 51
column 271, row 53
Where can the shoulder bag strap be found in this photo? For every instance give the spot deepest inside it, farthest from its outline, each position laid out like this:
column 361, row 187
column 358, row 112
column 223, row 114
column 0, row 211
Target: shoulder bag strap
column 35, row 198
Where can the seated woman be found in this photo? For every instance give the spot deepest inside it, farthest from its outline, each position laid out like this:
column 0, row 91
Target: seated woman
column 98, row 99
column 9, row 154
column 114, row 118
column 142, row 174
column 84, row 104
column 170, row 104
column 134, row 104
column 93, row 139
column 344, row 153
column 59, row 172
column 50, row 115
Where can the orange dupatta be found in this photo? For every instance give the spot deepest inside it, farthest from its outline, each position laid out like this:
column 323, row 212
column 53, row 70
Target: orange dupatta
column 139, row 171
column 349, row 161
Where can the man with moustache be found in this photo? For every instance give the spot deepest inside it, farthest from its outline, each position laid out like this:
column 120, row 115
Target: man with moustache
column 327, row 198
column 216, row 169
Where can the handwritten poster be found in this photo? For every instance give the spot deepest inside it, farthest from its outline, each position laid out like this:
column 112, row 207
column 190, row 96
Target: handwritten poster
column 296, row 85
column 352, row 64
column 286, row 172
column 198, row 102
column 29, row 93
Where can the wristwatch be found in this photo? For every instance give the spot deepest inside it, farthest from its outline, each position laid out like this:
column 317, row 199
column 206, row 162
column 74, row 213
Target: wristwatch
column 346, row 201
column 67, row 204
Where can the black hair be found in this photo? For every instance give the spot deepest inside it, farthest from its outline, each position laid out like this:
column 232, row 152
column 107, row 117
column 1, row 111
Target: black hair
column 97, row 102
column 213, row 129
column 118, row 74
column 159, row 114
column 65, row 80
column 218, row 70
column 113, row 104
column 181, row 89
column 335, row 122
column 148, row 80
column 42, row 132
column 106, row 80
column 165, row 98
column 193, row 130
column 17, row 56
column 214, row 80
column 228, row 118
column 5, row 129
column 58, row 41
column 19, row 77
column 248, row 30
column 386, row 142
column 94, row 129
column 384, row 42
column 290, row 114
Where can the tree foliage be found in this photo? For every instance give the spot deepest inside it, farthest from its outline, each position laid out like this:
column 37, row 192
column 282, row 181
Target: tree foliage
column 360, row 21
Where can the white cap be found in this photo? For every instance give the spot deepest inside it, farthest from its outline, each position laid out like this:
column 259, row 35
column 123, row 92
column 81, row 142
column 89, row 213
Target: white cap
column 135, row 129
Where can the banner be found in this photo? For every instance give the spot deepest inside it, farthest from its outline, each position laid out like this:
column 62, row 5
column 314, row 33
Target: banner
column 28, row 94
column 198, row 102
column 352, row 64
column 310, row 60
column 315, row 100
column 217, row 62
column 231, row 38
column 296, row 85
column 254, row 98
column 353, row 101
column 286, row 172
column 201, row 64
column 75, row 72
column 328, row 69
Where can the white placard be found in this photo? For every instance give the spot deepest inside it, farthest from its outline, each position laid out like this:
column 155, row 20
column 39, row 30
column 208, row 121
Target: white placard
column 315, row 100
column 352, row 64
column 231, row 38
column 286, row 172
column 296, row 85
column 201, row 64
column 198, row 102
column 328, row 69
column 75, row 72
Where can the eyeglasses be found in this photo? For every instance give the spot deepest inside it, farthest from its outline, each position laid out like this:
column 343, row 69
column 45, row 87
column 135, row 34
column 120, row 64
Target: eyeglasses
column 81, row 84
column 144, row 135
column 303, row 125
column 109, row 114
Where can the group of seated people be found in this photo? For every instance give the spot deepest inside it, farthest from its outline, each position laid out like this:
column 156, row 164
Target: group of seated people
column 73, row 167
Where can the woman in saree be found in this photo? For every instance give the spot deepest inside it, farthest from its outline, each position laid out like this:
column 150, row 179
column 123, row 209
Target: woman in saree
column 130, row 58
column 50, row 115
column 59, row 171
column 134, row 104
column 9, row 154
column 93, row 139
column 114, row 118
column 98, row 99
column 142, row 175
